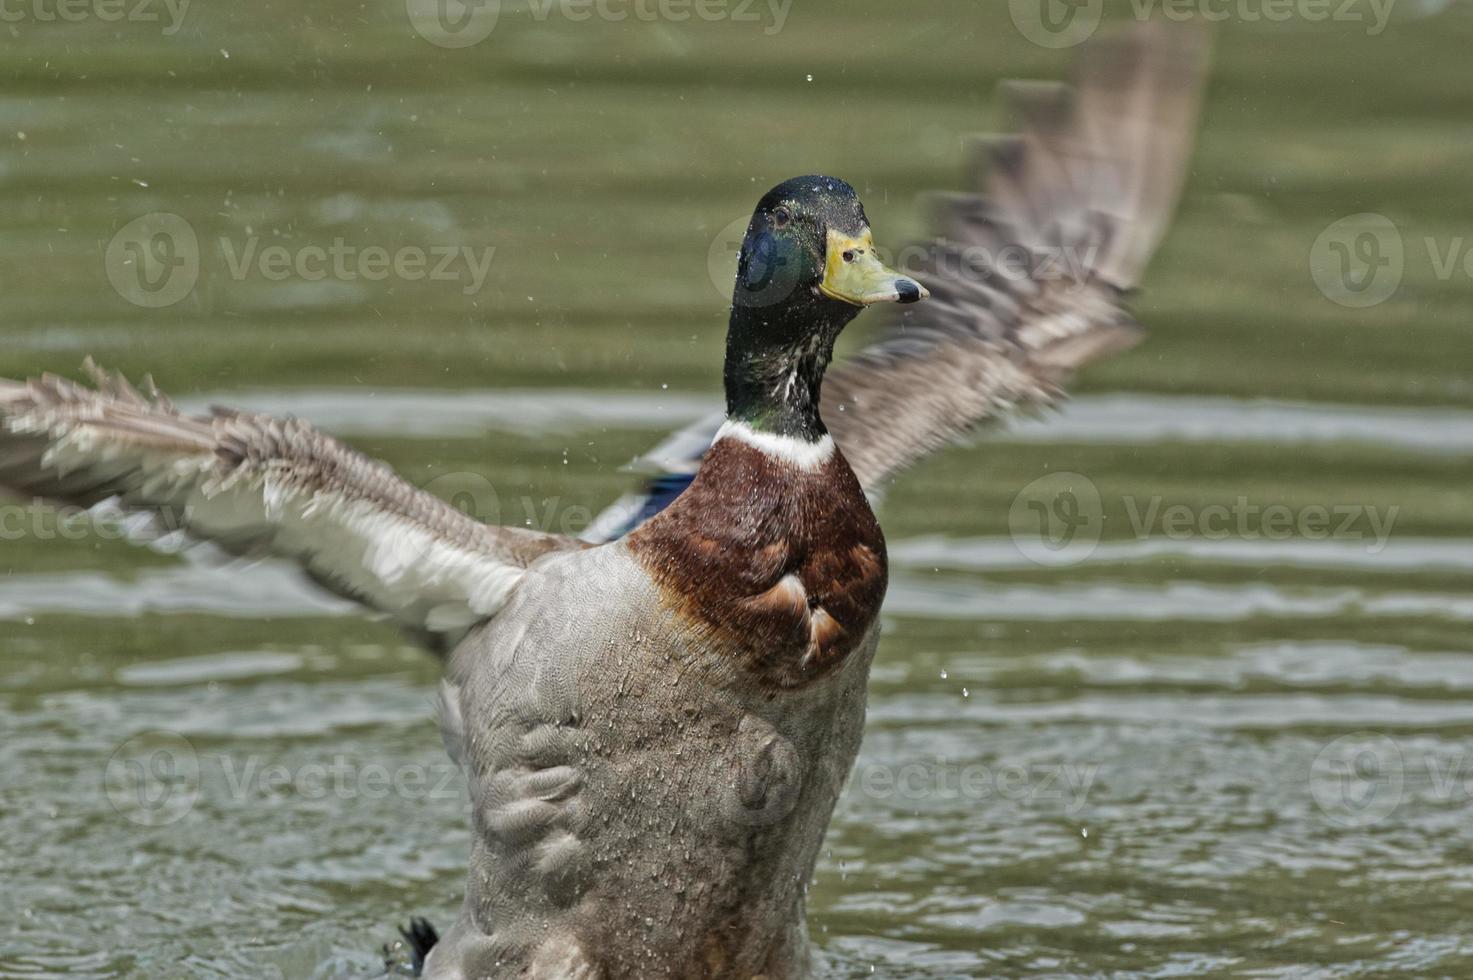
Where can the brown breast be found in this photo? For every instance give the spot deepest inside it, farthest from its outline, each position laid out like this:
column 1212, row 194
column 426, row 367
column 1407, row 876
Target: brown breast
column 783, row 568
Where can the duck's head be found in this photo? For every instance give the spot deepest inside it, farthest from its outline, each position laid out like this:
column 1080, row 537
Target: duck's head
column 808, row 266
column 810, row 240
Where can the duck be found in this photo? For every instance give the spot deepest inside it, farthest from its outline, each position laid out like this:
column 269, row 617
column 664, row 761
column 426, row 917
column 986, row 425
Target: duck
column 656, row 721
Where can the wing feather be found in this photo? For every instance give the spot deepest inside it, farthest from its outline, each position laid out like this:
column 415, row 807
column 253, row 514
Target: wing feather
column 258, row 486
column 1030, row 271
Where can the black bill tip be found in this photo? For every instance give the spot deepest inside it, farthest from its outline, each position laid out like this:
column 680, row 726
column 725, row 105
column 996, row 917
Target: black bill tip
column 907, row 291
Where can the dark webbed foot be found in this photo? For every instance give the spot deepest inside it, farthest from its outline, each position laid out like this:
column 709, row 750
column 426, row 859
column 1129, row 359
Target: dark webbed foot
column 417, row 942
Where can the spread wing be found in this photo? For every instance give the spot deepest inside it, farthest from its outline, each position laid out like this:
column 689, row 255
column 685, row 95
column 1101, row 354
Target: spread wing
column 1030, row 270
column 258, row 486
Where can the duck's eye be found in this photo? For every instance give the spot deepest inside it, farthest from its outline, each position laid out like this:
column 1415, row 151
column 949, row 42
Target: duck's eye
column 849, row 255
column 781, row 217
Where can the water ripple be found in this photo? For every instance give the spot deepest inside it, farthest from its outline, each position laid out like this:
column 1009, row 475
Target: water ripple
column 275, row 589
column 1399, row 554
column 1103, row 419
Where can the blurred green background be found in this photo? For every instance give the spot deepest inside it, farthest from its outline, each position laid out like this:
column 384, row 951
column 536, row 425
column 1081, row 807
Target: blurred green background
column 601, row 165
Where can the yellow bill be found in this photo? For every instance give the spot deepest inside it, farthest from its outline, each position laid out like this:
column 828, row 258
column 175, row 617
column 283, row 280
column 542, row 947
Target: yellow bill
column 854, row 274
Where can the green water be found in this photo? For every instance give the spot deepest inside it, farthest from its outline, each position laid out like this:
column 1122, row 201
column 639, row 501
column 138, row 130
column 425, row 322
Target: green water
column 1100, row 768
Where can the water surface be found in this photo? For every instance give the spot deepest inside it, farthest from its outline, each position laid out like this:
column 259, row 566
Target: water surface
column 1215, row 743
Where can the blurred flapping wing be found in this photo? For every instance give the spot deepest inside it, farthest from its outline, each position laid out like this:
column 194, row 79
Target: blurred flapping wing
column 1029, row 273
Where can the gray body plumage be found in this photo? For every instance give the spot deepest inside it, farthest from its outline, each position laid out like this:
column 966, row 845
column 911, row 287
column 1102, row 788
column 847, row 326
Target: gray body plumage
column 641, row 807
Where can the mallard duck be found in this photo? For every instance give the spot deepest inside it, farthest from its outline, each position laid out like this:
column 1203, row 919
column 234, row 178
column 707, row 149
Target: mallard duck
column 656, row 729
